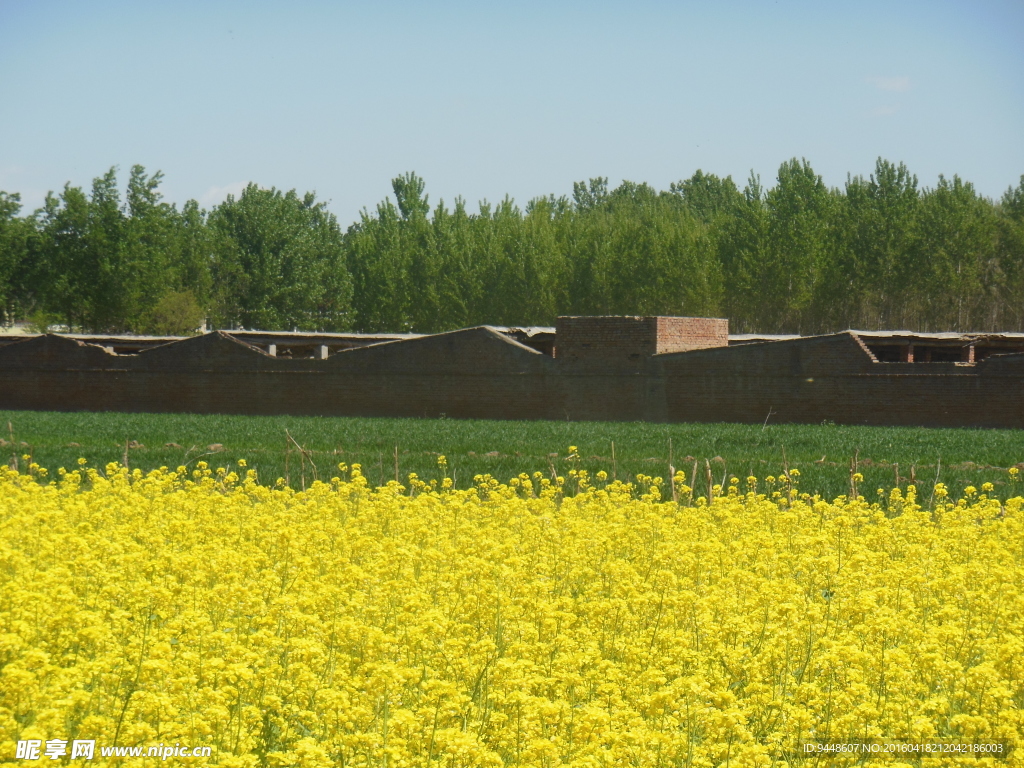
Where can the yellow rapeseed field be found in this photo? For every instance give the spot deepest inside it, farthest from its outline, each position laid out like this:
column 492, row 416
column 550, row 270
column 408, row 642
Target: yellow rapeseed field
column 542, row 622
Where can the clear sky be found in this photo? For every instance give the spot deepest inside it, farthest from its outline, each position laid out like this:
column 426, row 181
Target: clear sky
column 484, row 99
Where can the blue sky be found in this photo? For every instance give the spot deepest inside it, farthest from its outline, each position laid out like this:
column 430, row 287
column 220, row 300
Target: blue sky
column 486, row 99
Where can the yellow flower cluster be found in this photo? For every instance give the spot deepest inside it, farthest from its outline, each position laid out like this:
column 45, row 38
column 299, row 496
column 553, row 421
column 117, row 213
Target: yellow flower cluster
column 508, row 624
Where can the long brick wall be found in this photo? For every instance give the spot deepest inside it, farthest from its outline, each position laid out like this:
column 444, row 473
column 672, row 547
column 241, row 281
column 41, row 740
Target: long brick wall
column 614, row 369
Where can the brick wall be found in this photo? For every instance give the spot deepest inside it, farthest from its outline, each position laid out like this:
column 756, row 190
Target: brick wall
column 833, row 378
column 477, row 373
column 628, row 340
column 681, row 334
column 609, row 340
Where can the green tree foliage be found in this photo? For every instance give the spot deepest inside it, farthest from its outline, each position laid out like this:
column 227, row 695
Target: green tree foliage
column 707, row 196
column 800, row 240
column 797, row 257
column 958, row 244
column 156, row 252
column 99, row 264
column 498, row 266
column 636, row 252
column 15, row 236
column 278, row 262
column 624, row 251
column 775, row 243
column 65, row 269
column 879, row 253
column 743, row 250
column 177, row 314
column 1010, row 256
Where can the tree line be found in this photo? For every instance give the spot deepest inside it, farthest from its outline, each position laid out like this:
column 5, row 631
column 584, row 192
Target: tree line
column 882, row 252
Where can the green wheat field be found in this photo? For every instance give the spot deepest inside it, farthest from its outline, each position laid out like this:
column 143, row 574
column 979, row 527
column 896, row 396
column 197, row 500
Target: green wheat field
column 302, row 449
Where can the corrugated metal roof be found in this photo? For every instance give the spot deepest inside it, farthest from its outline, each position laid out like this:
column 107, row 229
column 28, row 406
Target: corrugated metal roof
column 527, row 330
column 899, row 335
column 302, row 335
column 949, row 336
column 752, row 337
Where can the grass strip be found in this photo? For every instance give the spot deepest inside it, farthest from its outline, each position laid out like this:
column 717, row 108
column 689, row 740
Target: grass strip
column 300, row 449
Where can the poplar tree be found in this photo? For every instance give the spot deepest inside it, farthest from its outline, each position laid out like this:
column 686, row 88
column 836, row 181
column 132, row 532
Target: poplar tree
column 278, row 263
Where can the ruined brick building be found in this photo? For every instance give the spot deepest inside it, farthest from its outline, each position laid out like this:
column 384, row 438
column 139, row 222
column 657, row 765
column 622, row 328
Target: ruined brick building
column 659, row 369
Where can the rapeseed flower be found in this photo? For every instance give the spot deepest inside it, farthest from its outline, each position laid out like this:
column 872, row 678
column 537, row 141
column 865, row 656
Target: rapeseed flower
column 507, row 624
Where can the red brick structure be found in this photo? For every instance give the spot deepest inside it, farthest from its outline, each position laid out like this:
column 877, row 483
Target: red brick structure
column 613, row 369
